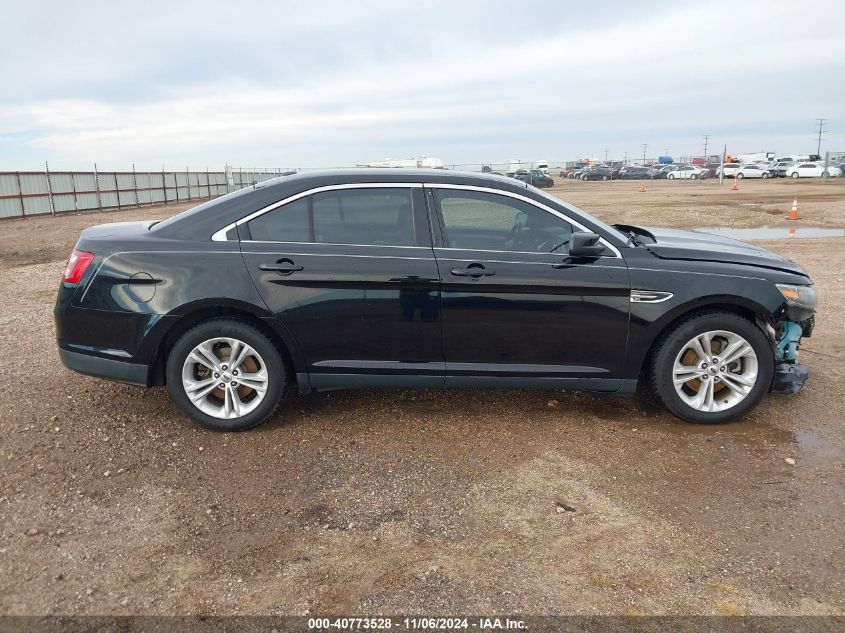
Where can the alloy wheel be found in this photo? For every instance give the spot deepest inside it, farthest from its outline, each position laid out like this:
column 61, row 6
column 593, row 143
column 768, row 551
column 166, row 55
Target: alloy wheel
column 225, row 378
column 715, row 371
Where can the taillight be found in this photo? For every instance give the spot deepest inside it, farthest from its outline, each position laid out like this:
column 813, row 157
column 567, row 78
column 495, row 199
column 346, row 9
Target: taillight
column 76, row 266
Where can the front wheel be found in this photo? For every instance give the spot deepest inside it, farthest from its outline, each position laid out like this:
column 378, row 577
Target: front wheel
column 740, row 176
column 765, row 175
column 671, row 177
column 693, row 177
column 226, row 374
column 712, row 368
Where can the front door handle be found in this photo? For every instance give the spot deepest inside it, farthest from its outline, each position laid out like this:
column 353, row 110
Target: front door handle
column 283, row 266
column 473, row 270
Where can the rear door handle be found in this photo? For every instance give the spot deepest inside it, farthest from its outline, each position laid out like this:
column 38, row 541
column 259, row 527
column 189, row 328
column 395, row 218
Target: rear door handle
column 283, row 266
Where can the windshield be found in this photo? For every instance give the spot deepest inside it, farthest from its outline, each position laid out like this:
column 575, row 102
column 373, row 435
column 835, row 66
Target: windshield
column 606, row 228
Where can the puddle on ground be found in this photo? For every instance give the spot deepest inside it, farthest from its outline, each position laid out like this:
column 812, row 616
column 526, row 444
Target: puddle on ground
column 772, row 232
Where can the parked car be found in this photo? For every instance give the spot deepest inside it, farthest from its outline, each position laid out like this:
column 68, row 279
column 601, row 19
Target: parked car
column 541, row 180
column 658, row 172
column 523, row 175
column 685, row 172
column 812, row 170
column 598, row 172
column 633, row 172
column 752, row 170
column 780, row 167
column 729, row 170
column 420, row 278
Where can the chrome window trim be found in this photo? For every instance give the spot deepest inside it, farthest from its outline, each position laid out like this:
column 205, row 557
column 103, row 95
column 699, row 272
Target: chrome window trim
column 428, row 248
column 220, row 236
column 539, row 205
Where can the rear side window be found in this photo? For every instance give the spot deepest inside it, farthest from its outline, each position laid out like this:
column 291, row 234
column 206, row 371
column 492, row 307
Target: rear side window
column 288, row 223
column 364, row 216
column 377, row 216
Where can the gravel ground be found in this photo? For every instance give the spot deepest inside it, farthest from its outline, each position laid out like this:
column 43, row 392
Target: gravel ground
column 112, row 502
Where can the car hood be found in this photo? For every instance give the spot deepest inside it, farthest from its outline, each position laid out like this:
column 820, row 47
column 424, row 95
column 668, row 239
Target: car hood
column 692, row 245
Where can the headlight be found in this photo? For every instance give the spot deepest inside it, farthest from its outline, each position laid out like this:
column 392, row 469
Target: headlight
column 800, row 295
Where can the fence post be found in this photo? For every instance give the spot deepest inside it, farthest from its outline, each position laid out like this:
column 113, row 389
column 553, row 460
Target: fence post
column 117, row 190
column 163, row 186
column 97, row 183
column 20, row 194
column 135, row 185
column 208, row 181
column 49, row 188
column 73, row 186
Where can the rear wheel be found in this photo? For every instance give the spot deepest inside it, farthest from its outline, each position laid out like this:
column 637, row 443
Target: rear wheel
column 712, row 368
column 226, row 375
column 795, row 174
column 740, row 175
column 693, row 176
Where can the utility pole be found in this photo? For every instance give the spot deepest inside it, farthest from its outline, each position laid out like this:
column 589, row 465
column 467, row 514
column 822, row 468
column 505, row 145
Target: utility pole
column 820, row 123
column 605, row 156
column 645, row 147
column 706, row 138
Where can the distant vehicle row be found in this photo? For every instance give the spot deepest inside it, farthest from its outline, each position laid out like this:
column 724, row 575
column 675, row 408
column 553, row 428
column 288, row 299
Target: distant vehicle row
column 779, row 169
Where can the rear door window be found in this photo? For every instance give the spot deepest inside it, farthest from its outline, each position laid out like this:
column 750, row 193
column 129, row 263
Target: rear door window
column 288, row 223
column 377, row 216
column 364, row 216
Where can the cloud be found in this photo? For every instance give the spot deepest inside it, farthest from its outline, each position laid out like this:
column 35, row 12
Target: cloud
column 345, row 83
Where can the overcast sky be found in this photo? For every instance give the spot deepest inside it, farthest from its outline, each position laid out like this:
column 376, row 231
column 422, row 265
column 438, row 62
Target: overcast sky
column 278, row 84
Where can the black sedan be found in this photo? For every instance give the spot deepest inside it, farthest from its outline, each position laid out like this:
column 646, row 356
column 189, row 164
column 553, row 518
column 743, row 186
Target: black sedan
column 633, row 172
column 599, row 172
column 425, row 278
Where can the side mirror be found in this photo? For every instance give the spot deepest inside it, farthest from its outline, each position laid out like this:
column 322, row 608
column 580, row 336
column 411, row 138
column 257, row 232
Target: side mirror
column 585, row 245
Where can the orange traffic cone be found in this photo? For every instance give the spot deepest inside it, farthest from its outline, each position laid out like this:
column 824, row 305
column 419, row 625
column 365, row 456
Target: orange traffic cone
column 793, row 214
column 642, row 187
column 735, row 185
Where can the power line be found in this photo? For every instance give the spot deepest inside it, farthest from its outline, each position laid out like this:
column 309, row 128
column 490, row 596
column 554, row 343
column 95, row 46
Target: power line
column 820, row 123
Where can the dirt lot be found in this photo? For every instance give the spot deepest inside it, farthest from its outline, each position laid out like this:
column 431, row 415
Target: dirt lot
column 424, row 502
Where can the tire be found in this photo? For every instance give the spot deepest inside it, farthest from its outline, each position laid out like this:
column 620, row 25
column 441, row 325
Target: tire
column 604, row 177
column 740, row 176
column 674, row 347
column 693, row 177
column 795, row 174
column 670, row 177
column 765, row 174
column 219, row 411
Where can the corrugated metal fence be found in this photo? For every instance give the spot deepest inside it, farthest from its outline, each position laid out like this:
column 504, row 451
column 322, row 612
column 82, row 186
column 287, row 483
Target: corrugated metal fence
column 26, row 193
